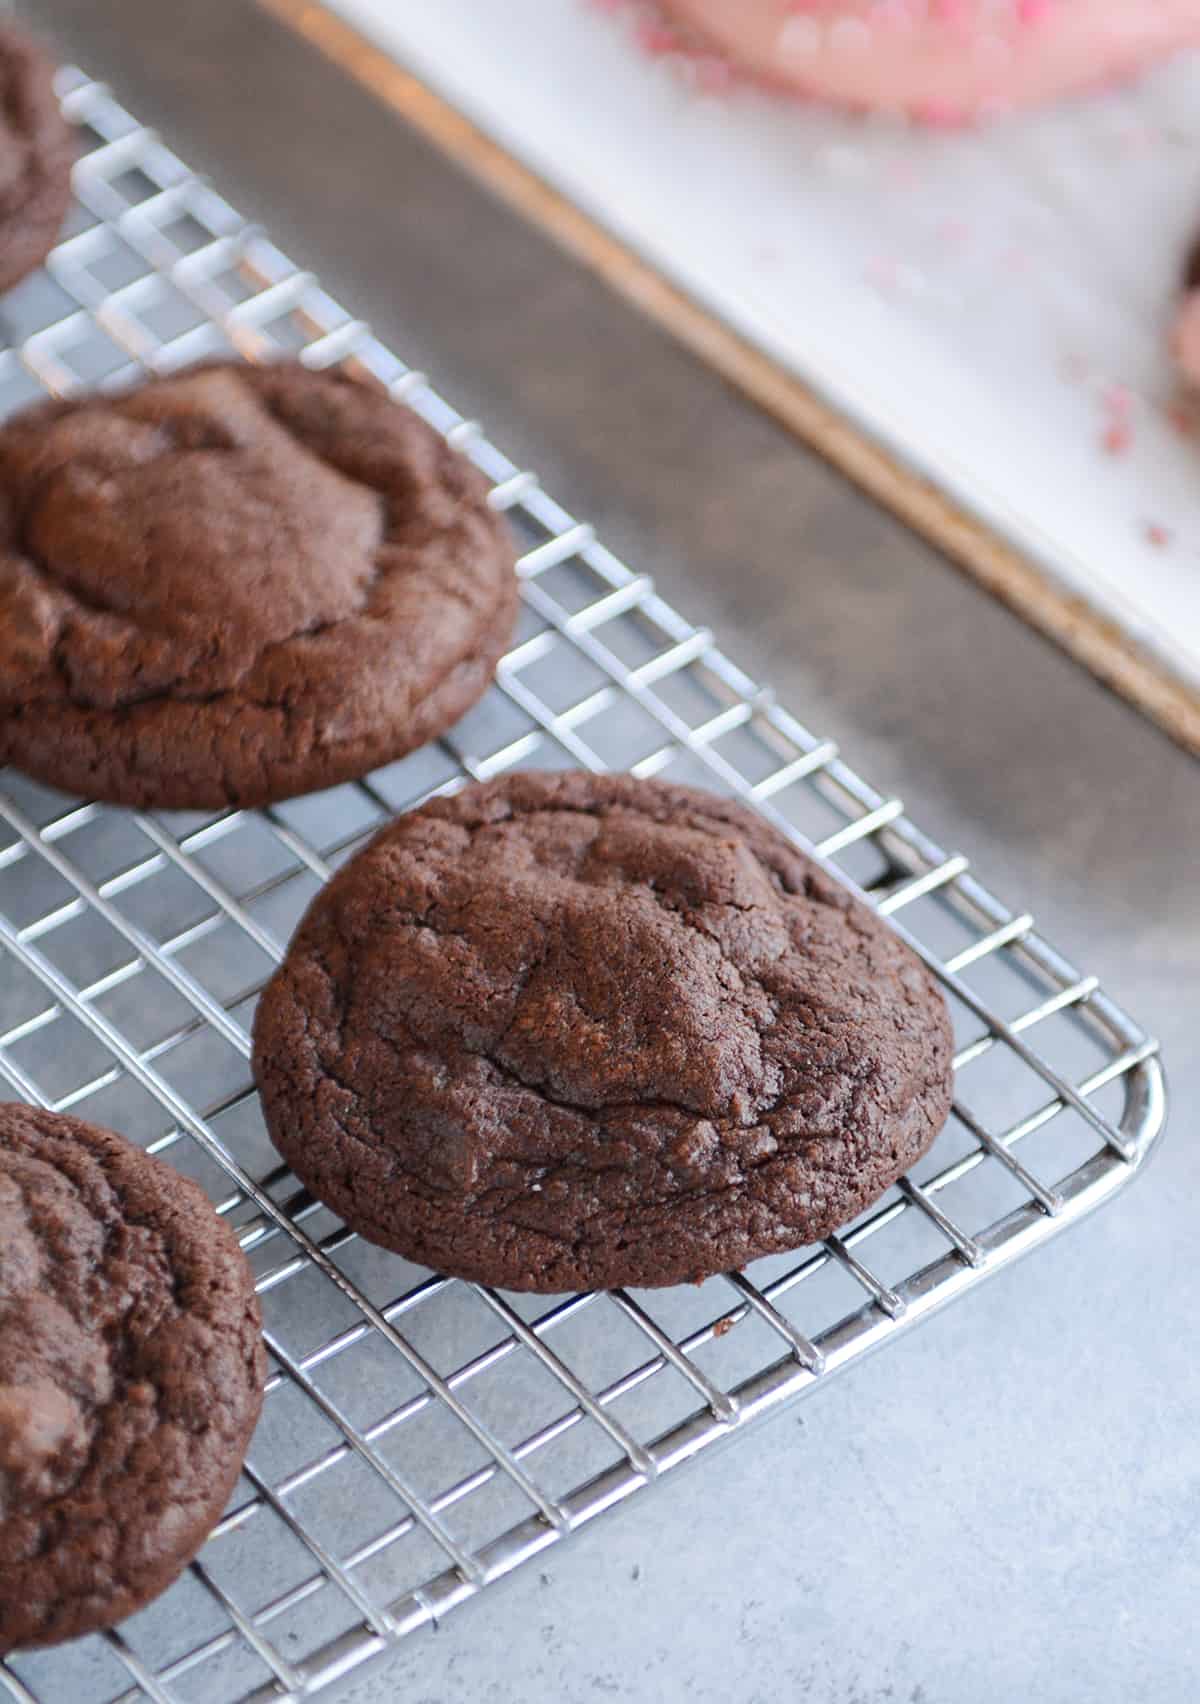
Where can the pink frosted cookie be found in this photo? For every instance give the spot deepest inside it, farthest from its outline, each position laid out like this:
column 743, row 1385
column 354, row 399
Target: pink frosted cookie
column 944, row 61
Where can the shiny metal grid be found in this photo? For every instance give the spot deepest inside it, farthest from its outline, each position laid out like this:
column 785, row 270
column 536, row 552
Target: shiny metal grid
column 422, row 1437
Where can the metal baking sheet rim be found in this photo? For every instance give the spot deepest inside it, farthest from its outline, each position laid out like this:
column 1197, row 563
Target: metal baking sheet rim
column 880, row 468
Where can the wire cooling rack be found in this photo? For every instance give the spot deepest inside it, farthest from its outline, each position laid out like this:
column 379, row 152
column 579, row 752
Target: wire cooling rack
column 422, row 1437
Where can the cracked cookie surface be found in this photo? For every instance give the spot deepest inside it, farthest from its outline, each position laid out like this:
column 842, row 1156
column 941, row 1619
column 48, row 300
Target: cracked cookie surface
column 239, row 583
column 37, row 149
column 131, row 1375
column 565, row 1031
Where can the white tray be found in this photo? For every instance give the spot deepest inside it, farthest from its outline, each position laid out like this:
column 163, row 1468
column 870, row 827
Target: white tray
column 989, row 307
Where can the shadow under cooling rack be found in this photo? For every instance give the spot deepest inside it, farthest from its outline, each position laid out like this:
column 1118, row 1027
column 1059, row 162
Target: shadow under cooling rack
column 421, row 1437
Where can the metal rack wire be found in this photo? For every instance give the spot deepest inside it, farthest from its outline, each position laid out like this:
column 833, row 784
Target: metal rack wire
column 421, row 1436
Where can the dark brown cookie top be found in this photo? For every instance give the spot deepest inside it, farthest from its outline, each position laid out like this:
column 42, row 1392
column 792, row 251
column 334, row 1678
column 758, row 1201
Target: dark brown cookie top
column 131, row 1375
column 237, row 583
column 567, row 1031
column 36, row 153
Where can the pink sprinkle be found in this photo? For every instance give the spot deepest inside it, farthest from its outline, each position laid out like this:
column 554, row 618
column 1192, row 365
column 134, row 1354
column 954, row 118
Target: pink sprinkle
column 656, row 39
column 1182, row 420
column 1118, row 437
column 1032, row 11
column 1158, row 535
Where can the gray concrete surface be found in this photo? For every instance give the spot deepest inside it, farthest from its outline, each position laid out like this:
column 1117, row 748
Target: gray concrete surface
column 1006, row 1505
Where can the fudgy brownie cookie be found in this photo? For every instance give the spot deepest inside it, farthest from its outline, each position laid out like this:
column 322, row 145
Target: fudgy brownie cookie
column 239, row 583
column 131, row 1375
column 36, row 152
column 563, row 1032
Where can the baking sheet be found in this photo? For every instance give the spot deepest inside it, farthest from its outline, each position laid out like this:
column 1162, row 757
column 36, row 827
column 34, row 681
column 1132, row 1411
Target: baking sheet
column 421, row 1437
column 989, row 307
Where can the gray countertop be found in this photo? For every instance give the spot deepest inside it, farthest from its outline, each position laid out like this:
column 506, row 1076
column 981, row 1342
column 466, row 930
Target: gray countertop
column 1006, row 1504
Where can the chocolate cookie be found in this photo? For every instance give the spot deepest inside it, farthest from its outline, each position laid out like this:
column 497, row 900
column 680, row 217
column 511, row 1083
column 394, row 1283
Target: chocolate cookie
column 239, row 583
column 131, row 1375
column 564, row 1032
column 36, row 152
